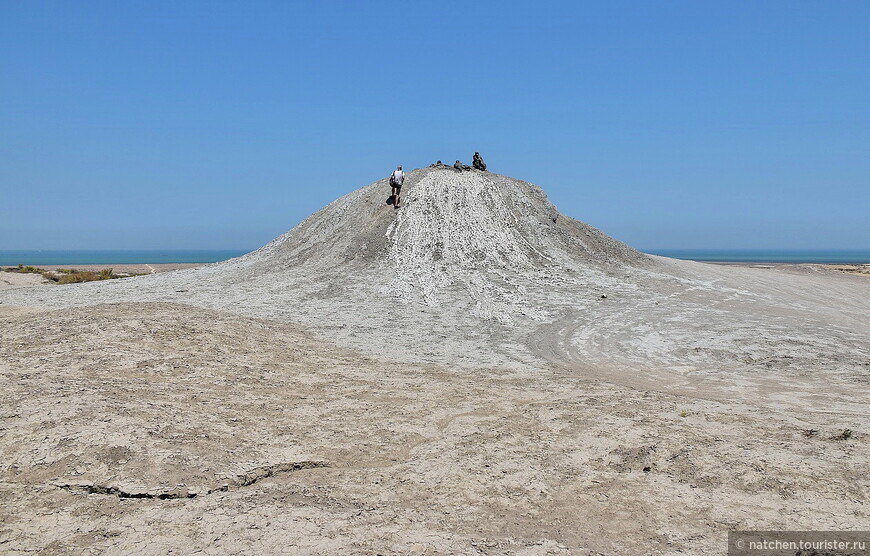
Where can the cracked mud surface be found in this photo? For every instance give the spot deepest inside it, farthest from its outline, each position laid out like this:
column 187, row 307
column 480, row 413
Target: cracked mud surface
column 154, row 427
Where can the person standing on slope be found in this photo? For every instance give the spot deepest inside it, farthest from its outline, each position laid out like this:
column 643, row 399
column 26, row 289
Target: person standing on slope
column 396, row 181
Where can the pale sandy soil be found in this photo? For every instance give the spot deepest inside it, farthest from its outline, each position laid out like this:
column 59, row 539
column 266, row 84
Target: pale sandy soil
column 145, row 428
column 12, row 280
column 858, row 269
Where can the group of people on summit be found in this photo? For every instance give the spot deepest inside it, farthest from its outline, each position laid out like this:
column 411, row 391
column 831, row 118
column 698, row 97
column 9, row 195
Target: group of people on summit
column 397, row 178
column 477, row 163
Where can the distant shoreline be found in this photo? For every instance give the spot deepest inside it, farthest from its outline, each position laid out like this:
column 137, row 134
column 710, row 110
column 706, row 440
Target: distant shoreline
column 82, row 258
column 126, row 268
column 117, row 258
column 767, row 256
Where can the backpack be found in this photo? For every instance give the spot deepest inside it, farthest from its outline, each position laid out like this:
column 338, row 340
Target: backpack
column 393, row 181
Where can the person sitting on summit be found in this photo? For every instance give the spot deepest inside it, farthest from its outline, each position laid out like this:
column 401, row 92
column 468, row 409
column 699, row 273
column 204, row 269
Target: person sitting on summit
column 478, row 162
column 396, row 181
column 460, row 166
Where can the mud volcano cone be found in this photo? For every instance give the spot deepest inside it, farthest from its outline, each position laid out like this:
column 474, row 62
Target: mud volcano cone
column 473, row 234
column 468, row 259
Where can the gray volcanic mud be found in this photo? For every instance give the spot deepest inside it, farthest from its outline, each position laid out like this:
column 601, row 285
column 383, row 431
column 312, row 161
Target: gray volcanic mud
column 478, row 269
column 468, row 256
column 473, row 373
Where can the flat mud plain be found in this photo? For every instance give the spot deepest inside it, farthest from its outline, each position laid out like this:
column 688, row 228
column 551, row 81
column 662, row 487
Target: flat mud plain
column 666, row 404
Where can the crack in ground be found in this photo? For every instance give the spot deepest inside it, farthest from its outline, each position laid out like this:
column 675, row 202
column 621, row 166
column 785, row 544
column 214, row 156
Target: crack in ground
column 246, row 479
column 121, row 493
column 265, row 471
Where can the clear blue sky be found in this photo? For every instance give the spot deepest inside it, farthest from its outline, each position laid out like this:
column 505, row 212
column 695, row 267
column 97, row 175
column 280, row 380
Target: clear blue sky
column 155, row 125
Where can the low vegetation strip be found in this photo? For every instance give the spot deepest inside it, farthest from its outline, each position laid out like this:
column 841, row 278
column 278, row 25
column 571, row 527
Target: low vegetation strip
column 69, row 275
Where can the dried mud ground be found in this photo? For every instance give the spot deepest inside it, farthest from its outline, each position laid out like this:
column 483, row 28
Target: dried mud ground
column 153, row 428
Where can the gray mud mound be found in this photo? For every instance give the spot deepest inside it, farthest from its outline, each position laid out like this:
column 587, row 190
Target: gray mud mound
column 473, row 220
column 457, row 236
column 478, row 269
column 467, row 252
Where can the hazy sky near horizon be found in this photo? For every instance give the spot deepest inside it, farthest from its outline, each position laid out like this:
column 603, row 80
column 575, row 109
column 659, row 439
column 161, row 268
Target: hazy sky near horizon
column 196, row 125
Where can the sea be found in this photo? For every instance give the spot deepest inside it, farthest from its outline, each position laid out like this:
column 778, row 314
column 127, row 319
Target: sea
column 36, row 258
